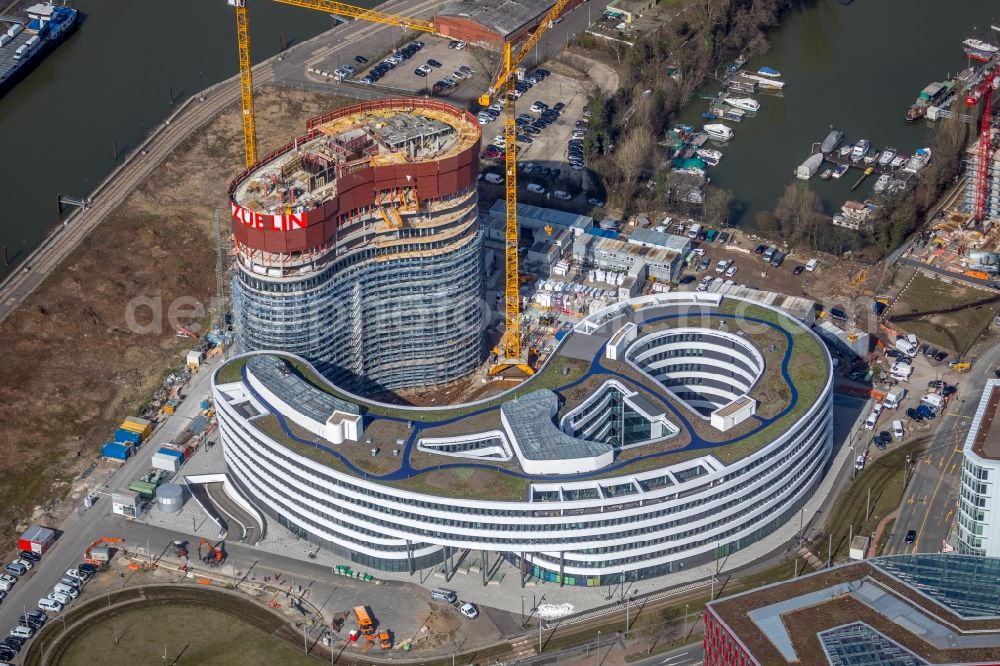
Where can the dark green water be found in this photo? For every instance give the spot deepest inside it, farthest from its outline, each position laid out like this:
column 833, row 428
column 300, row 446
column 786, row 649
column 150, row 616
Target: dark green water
column 858, row 67
column 110, row 81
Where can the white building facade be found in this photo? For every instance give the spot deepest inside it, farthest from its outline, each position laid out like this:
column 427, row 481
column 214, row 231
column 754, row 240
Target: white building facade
column 979, row 500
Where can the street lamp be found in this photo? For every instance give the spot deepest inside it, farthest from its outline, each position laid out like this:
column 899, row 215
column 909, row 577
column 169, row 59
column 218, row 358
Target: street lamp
column 685, row 622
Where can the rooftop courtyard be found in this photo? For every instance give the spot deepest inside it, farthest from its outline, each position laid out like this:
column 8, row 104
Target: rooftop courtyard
column 595, row 423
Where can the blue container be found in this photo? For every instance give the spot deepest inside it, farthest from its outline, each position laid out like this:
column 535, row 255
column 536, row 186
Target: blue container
column 205, row 404
column 116, row 450
column 172, row 452
column 123, row 435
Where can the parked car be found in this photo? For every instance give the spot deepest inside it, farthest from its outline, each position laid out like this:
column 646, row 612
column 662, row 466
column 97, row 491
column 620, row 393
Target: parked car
column 595, row 202
column 936, row 383
column 15, row 569
column 931, row 351
column 564, row 196
column 704, row 264
column 885, row 437
column 731, row 271
column 941, row 356
column 536, row 188
column 469, row 611
column 361, row 60
column 687, row 279
column 948, row 391
column 798, row 269
column 724, row 237
column 914, row 414
column 926, row 412
column 859, row 463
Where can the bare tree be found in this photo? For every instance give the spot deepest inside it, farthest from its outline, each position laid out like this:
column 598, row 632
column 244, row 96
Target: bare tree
column 634, row 154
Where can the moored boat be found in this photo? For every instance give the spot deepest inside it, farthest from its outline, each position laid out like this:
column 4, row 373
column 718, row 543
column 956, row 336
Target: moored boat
column 882, row 183
column 826, row 174
column 709, row 156
column 898, row 161
column 887, row 156
column 831, row 141
column 979, row 50
column 840, row 171
column 870, row 158
column 807, row 169
column 719, row 132
column 860, row 149
column 846, row 150
column 769, row 72
column 744, row 103
column 765, row 82
column 918, row 161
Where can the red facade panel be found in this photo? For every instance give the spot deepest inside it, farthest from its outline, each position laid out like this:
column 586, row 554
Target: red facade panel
column 284, row 234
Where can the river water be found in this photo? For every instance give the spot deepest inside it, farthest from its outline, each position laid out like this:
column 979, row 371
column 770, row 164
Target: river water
column 857, row 67
column 111, row 81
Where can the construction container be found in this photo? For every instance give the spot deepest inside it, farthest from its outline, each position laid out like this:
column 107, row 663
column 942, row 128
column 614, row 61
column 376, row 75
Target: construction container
column 170, row 497
column 198, row 425
column 166, row 462
column 171, row 406
column 139, row 425
column 170, row 450
column 194, row 358
column 116, row 451
column 36, row 539
column 100, row 553
column 125, row 503
column 130, row 436
column 145, row 489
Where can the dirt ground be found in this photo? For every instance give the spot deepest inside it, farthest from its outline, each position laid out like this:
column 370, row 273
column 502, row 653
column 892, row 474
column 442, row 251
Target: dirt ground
column 72, row 366
column 948, row 314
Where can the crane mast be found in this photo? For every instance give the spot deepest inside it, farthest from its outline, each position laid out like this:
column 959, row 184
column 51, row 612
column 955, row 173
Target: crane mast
column 504, row 85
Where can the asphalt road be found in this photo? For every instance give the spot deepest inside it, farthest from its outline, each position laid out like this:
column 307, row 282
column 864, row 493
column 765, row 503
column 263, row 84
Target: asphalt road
column 85, row 526
column 689, row 655
column 930, row 502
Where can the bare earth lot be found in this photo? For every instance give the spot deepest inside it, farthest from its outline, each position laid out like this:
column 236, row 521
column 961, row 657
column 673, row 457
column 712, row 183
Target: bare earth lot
column 72, row 367
column 949, row 315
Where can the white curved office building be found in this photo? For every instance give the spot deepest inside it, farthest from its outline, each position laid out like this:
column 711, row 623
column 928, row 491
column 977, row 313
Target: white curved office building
column 662, row 432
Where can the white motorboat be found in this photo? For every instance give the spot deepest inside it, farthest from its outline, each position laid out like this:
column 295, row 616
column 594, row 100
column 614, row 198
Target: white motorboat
column 764, row 82
column 918, row 161
column 898, row 161
column 860, row 149
column 719, row 132
column 745, row 103
column 840, row 171
column 882, row 183
column 846, row 150
column 769, row 72
column 870, row 158
column 981, row 46
column 710, row 156
column 887, row 156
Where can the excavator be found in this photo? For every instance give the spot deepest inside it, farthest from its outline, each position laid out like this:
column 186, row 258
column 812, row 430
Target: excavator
column 213, row 555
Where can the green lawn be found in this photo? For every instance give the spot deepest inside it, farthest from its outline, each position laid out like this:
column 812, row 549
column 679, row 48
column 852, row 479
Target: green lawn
column 884, row 476
column 192, row 634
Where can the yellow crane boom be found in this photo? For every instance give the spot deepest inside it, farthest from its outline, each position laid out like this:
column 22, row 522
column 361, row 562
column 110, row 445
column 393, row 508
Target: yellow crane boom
column 504, row 85
column 243, row 44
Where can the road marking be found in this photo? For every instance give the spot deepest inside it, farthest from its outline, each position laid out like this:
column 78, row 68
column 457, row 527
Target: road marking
column 941, row 462
column 953, row 466
column 947, row 519
column 910, row 501
column 927, row 461
column 937, row 488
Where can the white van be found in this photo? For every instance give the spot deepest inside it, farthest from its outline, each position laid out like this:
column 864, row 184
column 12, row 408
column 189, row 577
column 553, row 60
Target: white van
column 903, row 345
column 694, row 231
column 69, row 591
column 812, row 265
column 64, row 599
column 444, row 594
column 871, row 421
column 49, row 605
column 933, row 400
column 897, row 429
column 901, row 372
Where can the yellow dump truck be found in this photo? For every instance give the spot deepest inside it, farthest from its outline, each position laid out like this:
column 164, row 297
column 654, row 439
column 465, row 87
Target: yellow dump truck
column 385, row 640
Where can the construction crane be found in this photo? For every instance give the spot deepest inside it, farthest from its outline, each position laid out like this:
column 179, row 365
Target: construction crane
column 504, row 85
column 984, row 92
column 243, row 45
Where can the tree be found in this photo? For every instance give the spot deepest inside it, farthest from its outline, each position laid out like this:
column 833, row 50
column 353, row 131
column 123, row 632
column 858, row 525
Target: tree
column 799, row 213
column 634, row 154
column 718, row 206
